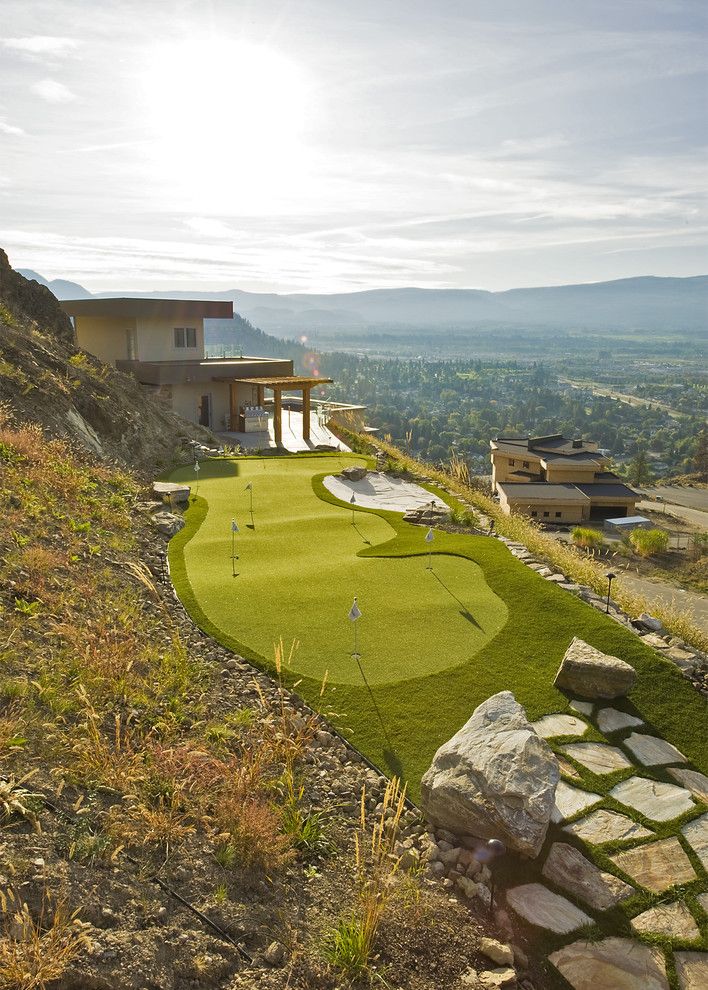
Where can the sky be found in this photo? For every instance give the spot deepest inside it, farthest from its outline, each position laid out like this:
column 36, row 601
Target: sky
column 339, row 145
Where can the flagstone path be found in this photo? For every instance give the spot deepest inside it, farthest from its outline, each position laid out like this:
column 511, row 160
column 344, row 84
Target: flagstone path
column 649, row 866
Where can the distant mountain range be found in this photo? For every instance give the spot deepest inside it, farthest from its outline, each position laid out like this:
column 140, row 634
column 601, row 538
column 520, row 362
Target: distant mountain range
column 645, row 303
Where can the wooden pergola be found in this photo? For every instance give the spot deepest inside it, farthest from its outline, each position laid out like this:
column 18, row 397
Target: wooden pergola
column 278, row 385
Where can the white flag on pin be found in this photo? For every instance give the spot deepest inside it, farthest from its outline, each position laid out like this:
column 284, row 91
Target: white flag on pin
column 429, row 536
column 353, row 498
column 354, row 612
column 234, row 526
column 249, row 487
column 196, row 466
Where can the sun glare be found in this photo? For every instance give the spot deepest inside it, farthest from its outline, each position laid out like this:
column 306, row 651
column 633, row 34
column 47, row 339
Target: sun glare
column 223, row 113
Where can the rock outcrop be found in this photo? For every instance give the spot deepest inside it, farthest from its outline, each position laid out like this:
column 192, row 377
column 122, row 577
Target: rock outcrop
column 590, row 673
column 354, row 473
column 496, row 778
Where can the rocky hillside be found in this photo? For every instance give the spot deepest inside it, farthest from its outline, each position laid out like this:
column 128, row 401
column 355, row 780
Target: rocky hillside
column 45, row 380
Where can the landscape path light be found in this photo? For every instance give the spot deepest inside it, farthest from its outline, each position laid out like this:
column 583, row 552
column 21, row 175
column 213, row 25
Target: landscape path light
column 495, row 850
column 610, row 578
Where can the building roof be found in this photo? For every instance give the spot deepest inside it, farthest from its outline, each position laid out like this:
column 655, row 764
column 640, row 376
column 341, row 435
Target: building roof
column 285, row 381
column 628, row 521
column 541, row 492
column 608, row 491
column 134, row 306
column 550, row 446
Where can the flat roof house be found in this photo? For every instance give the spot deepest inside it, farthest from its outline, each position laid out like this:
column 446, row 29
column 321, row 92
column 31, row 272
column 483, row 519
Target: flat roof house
column 557, row 480
column 161, row 342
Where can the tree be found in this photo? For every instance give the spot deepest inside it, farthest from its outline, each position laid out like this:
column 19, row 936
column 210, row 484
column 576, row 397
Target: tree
column 639, row 472
column 700, row 458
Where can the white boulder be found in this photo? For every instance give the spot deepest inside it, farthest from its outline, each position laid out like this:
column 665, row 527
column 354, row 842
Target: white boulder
column 496, row 778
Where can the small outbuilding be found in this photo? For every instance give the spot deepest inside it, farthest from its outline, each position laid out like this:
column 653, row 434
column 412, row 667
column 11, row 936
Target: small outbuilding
column 625, row 524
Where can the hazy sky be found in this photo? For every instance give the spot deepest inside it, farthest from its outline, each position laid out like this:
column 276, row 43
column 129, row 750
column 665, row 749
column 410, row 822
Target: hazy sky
column 325, row 145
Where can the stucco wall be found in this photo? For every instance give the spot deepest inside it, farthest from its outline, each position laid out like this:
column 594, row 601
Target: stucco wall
column 574, row 473
column 186, row 400
column 570, row 512
column 106, row 338
column 503, row 471
column 156, row 340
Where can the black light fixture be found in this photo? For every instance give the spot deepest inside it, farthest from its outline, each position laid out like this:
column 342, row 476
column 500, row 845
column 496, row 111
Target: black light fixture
column 495, row 849
column 610, row 578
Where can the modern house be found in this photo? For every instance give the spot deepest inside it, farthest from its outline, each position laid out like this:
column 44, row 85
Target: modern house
column 557, row 480
column 161, row 342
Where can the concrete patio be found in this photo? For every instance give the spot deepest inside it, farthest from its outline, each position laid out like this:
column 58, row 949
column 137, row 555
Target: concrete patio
column 292, row 435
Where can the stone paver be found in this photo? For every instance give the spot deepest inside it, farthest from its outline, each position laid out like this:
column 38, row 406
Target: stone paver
column 605, row 826
column 672, row 920
column 651, row 751
column 696, row 832
column 559, row 725
column 571, row 800
column 656, row 865
column 567, row 868
column 611, row 719
column 692, row 970
column 583, row 707
column 540, row 906
column 613, row 964
column 652, row 798
column 566, row 768
column 695, row 782
column 598, row 757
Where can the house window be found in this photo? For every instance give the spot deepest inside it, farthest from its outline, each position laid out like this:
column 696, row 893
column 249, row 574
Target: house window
column 533, row 512
column 185, row 337
column 558, row 515
column 525, row 463
column 512, row 463
column 546, row 515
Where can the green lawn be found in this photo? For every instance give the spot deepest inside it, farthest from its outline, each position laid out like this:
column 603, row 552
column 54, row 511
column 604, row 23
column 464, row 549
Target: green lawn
column 434, row 645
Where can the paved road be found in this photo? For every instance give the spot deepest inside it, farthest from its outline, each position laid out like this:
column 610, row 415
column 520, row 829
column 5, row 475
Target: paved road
column 691, row 601
column 694, row 498
column 694, row 516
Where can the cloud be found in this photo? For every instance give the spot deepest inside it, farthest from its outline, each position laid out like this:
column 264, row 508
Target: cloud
column 11, row 129
column 208, row 227
column 41, row 44
column 53, row 91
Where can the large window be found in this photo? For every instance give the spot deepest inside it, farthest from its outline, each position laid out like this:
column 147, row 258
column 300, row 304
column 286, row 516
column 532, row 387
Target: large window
column 185, row 337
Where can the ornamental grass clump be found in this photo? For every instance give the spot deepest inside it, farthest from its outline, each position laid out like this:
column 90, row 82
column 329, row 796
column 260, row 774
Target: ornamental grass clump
column 349, row 946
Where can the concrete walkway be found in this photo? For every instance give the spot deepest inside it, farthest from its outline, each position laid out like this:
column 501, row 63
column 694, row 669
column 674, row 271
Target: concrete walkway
column 378, row 491
column 292, row 436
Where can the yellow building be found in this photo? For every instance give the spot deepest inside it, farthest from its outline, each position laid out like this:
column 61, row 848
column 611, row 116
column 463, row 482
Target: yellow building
column 161, row 343
column 557, row 480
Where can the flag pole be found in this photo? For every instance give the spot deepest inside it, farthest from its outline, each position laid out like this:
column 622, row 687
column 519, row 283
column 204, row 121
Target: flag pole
column 234, row 531
column 429, row 536
column 352, row 502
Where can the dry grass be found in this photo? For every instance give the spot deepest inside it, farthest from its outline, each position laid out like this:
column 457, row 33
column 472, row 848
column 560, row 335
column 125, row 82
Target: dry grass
column 34, row 952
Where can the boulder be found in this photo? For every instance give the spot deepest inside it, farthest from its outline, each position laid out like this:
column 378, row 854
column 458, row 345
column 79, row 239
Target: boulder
column 496, row 778
column 167, row 523
column 168, row 491
column 593, row 674
column 650, row 623
column 354, row 473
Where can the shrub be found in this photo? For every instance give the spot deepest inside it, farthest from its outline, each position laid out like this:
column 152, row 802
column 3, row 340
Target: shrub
column 649, row 542
column 587, row 539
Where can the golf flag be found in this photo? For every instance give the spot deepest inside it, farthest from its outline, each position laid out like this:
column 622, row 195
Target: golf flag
column 354, row 612
column 196, row 467
column 353, row 498
column 249, row 487
column 234, row 526
column 429, row 536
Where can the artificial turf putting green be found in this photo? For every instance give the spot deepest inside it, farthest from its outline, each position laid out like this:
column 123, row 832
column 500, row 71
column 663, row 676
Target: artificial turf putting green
column 301, row 566
column 298, row 569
